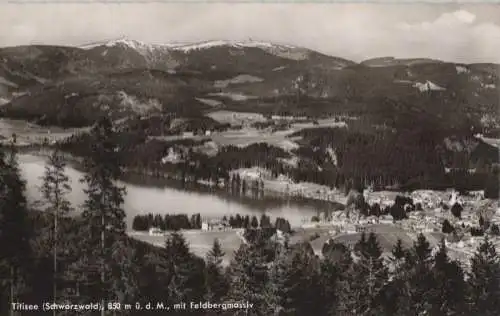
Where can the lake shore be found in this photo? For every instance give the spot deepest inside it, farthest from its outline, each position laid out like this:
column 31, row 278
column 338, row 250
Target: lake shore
column 277, row 190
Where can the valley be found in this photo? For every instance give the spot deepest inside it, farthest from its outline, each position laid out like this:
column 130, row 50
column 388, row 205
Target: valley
column 256, row 122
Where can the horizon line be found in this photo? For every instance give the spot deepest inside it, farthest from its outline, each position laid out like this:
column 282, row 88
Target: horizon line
column 249, row 40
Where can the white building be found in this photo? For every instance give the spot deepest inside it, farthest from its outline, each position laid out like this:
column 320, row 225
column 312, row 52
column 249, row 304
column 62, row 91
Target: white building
column 386, row 219
column 205, row 226
column 214, row 225
column 155, row 231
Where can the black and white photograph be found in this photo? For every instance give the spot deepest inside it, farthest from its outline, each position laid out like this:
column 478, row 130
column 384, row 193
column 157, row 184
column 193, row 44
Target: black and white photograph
column 256, row 159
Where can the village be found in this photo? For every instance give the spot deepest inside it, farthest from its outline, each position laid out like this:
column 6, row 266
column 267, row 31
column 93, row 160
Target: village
column 479, row 217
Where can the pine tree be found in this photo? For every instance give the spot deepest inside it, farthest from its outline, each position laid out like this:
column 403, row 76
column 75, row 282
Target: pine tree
column 301, row 282
column 15, row 225
column 334, row 267
column 484, row 280
column 366, row 279
column 456, row 210
column 248, row 273
column 398, row 252
column 255, row 222
column 396, row 299
column 186, row 272
column 102, row 210
column 422, row 249
column 265, row 221
column 216, row 282
column 447, row 228
column 448, row 294
column 275, row 292
column 55, row 188
column 419, row 279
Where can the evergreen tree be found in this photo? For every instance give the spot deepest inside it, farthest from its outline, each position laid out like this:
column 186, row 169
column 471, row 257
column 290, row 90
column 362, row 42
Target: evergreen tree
column 366, row 280
column 337, row 262
column 265, row 221
column 448, row 294
column 16, row 228
column 301, row 282
column 248, row 274
column 495, row 230
column 246, row 222
column 447, row 228
column 55, row 188
column 102, row 210
column 456, row 210
column 186, row 272
column 275, row 291
column 417, row 279
column 255, row 222
column 422, row 249
column 484, row 280
column 398, row 252
column 216, row 281
column 396, row 299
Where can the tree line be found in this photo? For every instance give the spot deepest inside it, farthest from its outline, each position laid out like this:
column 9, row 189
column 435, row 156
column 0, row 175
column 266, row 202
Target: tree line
column 182, row 221
column 364, row 155
column 166, row 222
column 45, row 255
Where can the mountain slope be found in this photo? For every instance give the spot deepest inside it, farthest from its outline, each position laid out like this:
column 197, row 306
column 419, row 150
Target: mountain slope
column 48, row 82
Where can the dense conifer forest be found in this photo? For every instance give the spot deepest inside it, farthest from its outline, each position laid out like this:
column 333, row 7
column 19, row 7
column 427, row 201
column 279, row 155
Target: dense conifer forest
column 47, row 255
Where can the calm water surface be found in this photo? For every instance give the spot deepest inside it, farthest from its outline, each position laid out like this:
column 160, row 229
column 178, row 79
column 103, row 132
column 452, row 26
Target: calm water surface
column 155, row 196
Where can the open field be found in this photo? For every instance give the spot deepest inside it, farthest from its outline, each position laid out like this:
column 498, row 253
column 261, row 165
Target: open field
column 28, row 133
column 236, row 118
column 492, row 141
column 248, row 136
column 200, row 242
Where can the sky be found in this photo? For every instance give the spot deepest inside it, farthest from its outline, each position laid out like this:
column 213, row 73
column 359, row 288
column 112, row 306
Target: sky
column 453, row 32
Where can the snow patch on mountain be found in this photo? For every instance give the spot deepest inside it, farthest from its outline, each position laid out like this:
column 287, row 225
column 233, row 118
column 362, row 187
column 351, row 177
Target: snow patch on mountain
column 209, row 102
column 211, row 44
column 462, row 69
column 131, row 102
column 233, row 96
column 3, row 101
column 282, row 50
column 428, row 86
column 133, row 44
column 403, row 81
column 279, row 68
column 488, row 85
column 71, row 95
column 8, row 83
column 237, row 80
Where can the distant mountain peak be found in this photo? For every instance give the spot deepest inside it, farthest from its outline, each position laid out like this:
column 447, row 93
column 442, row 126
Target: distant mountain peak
column 123, row 41
column 392, row 61
column 135, row 44
column 147, row 49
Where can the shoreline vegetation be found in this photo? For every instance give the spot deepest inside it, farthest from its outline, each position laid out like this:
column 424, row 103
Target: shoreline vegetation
column 101, row 263
column 157, row 223
column 271, row 189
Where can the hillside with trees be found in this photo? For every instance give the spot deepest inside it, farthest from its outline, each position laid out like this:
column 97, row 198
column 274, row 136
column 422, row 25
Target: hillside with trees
column 46, row 256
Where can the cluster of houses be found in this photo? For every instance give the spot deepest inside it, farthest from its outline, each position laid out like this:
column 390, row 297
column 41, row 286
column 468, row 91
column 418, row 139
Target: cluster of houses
column 206, row 225
column 200, row 132
column 215, row 225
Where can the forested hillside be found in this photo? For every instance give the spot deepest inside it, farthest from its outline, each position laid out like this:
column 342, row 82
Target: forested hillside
column 47, row 256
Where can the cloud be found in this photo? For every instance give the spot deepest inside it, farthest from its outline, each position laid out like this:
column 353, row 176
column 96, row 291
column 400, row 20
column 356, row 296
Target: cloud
column 455, row 36
column 353, row 31
column 455, row 19
column 464, row 16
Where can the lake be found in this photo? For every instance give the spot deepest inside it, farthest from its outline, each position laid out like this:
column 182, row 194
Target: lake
column 160, row 197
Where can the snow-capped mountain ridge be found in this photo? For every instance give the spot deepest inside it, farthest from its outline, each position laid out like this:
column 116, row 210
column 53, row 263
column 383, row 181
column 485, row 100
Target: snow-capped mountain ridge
column 150, row 50
column 138, row 45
